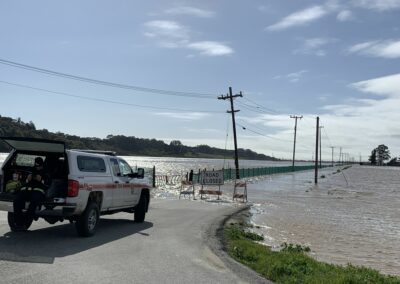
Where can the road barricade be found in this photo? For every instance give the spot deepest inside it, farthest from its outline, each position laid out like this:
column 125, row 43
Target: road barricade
column 211, row 178
column 187, row 188
column 203, row 191
column 240, row 186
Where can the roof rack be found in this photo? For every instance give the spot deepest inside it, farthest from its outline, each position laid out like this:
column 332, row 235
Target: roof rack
column 108, row 153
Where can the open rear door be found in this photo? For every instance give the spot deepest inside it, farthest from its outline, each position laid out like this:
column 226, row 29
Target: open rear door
column 34, row 144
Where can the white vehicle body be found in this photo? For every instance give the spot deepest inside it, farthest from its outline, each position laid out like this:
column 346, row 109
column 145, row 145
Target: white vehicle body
column 78, row 178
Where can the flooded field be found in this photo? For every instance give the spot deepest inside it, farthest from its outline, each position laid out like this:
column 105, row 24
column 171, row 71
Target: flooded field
column 350, row 217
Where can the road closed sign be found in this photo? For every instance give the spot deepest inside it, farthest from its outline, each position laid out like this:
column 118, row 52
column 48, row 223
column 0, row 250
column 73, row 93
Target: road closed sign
column 212, row 177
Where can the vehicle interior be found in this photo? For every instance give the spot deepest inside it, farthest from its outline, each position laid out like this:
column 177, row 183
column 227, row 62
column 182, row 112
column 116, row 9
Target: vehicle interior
column 17, row 169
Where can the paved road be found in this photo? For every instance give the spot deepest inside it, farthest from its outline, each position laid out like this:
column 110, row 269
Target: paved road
column 170, row 247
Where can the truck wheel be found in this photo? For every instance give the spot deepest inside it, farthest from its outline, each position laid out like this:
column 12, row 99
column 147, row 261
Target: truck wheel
column 27, row 222
column 140, row 210
column 86, row 223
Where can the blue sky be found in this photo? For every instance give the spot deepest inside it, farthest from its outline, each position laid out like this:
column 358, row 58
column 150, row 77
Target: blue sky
column 335, row 59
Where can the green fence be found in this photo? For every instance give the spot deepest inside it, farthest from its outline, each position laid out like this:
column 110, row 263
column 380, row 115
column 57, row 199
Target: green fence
column 229, row 174
column 254, row 172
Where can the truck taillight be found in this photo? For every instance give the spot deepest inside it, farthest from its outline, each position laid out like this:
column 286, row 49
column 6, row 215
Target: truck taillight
column 73, row 188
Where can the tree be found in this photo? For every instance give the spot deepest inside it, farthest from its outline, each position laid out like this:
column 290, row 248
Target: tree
column 379, row 155
column 372, row 158
column 176, row 143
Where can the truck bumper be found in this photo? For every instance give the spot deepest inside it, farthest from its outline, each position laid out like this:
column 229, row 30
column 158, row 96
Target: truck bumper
column 6, row 206
column 67, row 209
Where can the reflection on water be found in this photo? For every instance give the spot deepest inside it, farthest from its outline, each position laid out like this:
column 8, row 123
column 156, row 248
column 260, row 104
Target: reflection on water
column 174, row 166
column 356, row 222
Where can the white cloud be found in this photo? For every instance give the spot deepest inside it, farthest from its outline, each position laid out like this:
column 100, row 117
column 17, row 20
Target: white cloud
column 166, row 29
column 190, row 11
column 211, row 48
column 387, row 86
column 300, row 18
column 368, row 122
column 184, row 115
column 378, row 5
column 344, row 16
column 170, row 34
column 380, row 48
column 296, row 76
column 358, row 125
column 313, row 46
column 292, row 77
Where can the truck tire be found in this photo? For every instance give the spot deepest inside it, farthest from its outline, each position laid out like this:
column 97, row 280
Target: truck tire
column 18, row 227
column 86, row 223
column 140, row 210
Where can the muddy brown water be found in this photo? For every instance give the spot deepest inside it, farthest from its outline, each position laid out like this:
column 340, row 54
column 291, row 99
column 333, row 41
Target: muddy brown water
column 350, row 217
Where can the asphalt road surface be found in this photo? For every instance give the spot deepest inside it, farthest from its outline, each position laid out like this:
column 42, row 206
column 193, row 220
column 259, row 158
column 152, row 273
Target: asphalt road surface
column 171, row 246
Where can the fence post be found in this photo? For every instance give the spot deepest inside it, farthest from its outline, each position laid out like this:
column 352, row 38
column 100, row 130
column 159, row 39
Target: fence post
column 154, row 176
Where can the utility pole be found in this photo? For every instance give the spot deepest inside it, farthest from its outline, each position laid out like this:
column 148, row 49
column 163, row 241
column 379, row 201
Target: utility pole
column 340, row 156
column 320, row 147
column 332, row 154
column 232, row 111
column 294, row 143
column 316, row 152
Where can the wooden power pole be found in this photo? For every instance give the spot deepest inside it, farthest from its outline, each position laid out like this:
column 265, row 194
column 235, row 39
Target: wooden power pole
column 316, row 151
column 294, row 143
column 232, row 111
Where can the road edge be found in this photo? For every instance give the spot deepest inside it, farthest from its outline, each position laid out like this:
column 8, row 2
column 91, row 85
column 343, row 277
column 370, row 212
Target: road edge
column 214, row 240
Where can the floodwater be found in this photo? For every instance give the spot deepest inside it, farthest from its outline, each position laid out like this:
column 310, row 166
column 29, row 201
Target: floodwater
column 349, row 217
column 176, row 166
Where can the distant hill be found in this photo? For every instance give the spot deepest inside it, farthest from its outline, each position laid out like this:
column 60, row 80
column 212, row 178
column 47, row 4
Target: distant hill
column 121, row 144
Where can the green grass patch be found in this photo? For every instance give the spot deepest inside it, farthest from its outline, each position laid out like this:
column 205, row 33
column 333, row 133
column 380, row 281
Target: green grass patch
column 292, row 264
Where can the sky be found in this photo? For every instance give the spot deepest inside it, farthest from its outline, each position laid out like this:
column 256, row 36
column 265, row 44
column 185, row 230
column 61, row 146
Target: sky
column 169, row 61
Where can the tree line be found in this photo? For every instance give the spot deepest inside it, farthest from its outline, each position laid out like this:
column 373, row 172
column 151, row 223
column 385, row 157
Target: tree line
column 123, row 145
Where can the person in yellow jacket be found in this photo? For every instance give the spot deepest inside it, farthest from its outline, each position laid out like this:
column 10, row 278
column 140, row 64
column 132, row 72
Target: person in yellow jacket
column 14, row 185
column 33, row 191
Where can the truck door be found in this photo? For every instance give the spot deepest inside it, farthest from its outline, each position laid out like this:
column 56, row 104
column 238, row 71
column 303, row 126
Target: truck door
column 124, row 195
column 129, row 194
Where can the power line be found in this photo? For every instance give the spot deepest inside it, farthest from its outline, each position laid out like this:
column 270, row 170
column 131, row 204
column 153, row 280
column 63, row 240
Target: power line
column 105, row 83
column 106, row 101
column 261, row 106
column 250, row 108
column 267, row 136
column 304, row 147
column 326, row 133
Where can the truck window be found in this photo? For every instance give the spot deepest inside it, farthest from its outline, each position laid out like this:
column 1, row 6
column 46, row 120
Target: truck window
column 115, row 167
column 25, row 160
column 124, row 168
column 91, row 164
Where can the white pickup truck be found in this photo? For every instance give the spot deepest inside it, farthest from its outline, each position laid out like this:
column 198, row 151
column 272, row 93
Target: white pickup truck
column 82, row 185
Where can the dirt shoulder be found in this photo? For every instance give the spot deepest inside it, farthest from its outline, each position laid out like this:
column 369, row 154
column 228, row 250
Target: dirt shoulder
column 214, row 239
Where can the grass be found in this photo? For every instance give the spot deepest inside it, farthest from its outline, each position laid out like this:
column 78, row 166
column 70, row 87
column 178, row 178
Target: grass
column 292, row 264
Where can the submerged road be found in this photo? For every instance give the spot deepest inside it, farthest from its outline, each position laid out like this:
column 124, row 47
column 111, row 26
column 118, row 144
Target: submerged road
column 171, row 246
